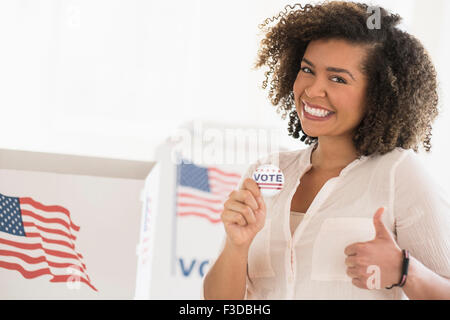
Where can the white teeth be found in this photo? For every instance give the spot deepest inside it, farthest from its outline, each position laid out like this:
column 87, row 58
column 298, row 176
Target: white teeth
column 316, row 112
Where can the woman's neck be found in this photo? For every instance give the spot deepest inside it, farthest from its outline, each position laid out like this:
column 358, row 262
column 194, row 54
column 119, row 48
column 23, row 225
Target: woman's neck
column 331, row 154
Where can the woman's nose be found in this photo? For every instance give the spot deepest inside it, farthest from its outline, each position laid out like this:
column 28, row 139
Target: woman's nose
column 315, row 90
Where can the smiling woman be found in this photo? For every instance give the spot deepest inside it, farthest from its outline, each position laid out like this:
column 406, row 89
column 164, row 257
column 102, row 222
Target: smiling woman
column 330, row 100
column 365, row 100
column 393, row 68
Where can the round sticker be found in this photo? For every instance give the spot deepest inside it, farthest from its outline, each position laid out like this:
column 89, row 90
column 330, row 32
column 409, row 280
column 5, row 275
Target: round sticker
column 269, row 178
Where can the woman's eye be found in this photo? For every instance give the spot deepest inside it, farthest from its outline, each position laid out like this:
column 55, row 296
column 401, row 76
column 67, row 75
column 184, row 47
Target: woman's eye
column 306, row 70
column 338, row 80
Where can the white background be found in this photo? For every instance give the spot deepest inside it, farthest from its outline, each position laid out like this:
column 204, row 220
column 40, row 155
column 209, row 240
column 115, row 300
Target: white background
column 114, row 78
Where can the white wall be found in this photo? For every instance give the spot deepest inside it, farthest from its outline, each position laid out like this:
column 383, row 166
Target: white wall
column 113, row 77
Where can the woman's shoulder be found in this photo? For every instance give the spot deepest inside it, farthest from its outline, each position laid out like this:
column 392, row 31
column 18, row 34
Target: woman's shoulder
column 396, row 157
column 411, row 170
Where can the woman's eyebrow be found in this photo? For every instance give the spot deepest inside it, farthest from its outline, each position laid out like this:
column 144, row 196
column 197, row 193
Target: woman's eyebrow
column 333, row 69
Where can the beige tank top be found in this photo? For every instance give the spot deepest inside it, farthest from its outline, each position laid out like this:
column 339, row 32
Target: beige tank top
column 295, row 219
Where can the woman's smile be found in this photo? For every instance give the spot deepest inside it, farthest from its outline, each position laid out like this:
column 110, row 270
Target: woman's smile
column 316, row 114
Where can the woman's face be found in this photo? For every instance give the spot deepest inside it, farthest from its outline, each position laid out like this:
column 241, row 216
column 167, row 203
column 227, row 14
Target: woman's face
column 330, row 77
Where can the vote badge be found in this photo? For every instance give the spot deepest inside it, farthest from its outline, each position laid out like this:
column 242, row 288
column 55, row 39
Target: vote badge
column 269, row 178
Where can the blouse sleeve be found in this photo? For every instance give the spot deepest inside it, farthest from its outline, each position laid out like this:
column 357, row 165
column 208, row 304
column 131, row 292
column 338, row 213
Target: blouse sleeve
column 422, row 214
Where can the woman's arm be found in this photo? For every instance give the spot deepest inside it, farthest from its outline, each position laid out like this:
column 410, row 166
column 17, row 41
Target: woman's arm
column 422, row 216
column 226, row 279
column 423, row 284
column 243, row 217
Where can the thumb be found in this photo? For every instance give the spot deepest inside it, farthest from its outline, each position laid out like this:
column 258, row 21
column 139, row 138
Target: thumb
column 380, row 229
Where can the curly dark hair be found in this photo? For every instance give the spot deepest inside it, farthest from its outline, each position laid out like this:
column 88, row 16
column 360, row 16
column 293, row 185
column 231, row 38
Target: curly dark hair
column 401, row 96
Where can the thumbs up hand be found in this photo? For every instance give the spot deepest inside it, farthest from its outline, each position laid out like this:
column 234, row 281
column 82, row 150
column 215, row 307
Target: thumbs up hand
column 381, row 254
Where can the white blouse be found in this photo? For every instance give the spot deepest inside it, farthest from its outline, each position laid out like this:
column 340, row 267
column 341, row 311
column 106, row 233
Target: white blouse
column 309, row 264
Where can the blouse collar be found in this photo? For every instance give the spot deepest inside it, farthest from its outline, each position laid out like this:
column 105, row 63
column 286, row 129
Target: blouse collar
column 354, row 163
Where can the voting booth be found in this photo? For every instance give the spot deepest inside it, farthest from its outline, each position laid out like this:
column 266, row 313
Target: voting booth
column 69, row 225
column 79, row 227
column 181, row 231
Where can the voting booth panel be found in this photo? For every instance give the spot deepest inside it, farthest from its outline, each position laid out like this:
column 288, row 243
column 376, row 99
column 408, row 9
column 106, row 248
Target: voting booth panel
column 80, row 218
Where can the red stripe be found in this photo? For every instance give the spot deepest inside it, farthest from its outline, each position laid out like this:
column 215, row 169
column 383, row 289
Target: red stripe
column 55, row 231
column 223, row 182
column 25, row 273
column 195, row 205
column 66, row 278
column 221, row 186
column 40, row 206
column 269, row 184
column 201, row 215
column 224, row 193
column 188, row 195
column 46, row 220
column 228, row 174
column 46, row 240
column 33, row 246
column 60, row 242
column 271, row 188
column 36, row 260
column 37, row 273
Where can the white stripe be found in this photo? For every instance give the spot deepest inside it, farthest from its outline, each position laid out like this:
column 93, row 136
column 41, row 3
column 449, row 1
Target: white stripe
column 199, row 210
column 45, row 214
column 229, row 179
column 199, row 193
column 42, row 265
column 55, row 226
column 38, row 251
column 188, row 200
column 48, row 235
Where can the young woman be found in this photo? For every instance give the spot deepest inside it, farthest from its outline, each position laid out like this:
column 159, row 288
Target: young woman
column 358, row 199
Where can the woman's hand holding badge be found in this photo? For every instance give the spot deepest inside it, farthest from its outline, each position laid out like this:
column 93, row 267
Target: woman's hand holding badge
column 245, row 211
column 244, row 214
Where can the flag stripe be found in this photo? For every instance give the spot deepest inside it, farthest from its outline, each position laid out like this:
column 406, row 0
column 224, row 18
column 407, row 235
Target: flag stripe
column 25, row 273
column 47, row 240
column 222, row 182
column 36, row 246
column 227, row 174
column 46, row 220
column 55, row 231
column 53, row 241
column 39, row 259
column 31, row 260
column 46, row 271
column 193, row 205
column 202, row 215
column 40, row 206
column 67, row 278
column 188, row 195
column 275, row 188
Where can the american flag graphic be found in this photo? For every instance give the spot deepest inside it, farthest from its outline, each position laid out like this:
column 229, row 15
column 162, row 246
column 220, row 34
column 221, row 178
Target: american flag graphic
column 201, row 191
column 38, row 240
